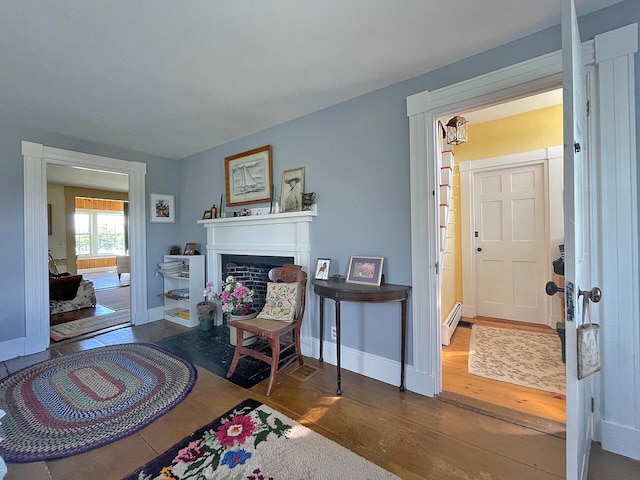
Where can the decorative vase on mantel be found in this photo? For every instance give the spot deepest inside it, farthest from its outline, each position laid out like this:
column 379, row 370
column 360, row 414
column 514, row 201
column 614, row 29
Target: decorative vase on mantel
column 249, row 338
column 206, row 315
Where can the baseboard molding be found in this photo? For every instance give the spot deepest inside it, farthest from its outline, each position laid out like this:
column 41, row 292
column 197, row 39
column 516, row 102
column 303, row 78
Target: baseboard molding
column 11, row 348
column 372, row 366
column 153, row 314
column 620, row 439
column 141, row 318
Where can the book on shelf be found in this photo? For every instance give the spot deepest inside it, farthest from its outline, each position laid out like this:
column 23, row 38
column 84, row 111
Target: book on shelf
column 179, row 292
column 178, row 312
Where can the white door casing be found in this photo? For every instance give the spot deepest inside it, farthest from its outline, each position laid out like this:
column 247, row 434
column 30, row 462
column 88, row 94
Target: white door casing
column 36, row 157
column 577, row 205
column 612, row 53
column 510, row 247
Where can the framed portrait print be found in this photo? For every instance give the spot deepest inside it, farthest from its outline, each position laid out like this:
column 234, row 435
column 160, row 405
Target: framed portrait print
column 162, row 208
column 322, row 269
column 365, row 270
column 248, row 177
column 292, row 188
column 189, row 249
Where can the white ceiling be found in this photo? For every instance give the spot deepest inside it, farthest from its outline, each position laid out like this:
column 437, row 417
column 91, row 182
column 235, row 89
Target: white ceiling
column 173, row 78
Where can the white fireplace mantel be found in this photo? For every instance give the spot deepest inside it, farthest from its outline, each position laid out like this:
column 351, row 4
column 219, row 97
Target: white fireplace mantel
column 275, row 235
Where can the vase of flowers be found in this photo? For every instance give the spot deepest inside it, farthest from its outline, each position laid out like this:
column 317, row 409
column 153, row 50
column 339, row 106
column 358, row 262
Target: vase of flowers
column 207, row 308
column 237, row 302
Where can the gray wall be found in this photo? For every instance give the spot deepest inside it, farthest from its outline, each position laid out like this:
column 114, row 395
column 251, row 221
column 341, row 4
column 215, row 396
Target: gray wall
column 356, row 158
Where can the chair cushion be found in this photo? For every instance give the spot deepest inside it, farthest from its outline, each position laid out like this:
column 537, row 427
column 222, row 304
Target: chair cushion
column 64, row 288
column 281, row 302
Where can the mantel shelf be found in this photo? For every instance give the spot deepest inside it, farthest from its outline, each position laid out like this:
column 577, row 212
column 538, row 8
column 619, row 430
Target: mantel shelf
column 253, row 219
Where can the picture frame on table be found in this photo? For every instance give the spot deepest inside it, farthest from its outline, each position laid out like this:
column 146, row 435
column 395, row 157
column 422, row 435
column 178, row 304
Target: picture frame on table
column 162, row 208
column 322, row 269
column 365, row 270
column 190, row 249
column 207, row 215
column 292, row 188
column 248, row 177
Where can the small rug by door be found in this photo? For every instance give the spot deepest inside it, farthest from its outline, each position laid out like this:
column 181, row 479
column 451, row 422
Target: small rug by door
column 76, row 328
column 211, row 350
column 524, row 358
column 117, row 298
column 253, row 441
column 71, row 404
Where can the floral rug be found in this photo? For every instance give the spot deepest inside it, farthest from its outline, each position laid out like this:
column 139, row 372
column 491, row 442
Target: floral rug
column 524, row 358
column 71, row 404
column 252, row 441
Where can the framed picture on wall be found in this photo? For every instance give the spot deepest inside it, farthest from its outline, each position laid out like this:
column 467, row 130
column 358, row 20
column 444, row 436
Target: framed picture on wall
column 292, row 188
column 365, row 270
column 162, row 208
column 248, row 177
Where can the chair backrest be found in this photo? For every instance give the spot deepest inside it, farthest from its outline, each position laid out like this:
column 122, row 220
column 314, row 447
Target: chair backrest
column 290, row 273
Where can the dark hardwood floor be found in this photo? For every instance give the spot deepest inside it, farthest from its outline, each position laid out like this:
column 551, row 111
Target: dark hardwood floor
column 408, row 434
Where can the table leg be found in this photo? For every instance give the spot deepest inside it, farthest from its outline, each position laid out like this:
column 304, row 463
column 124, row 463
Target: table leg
column 339, row 390
column 403, row 343
column 321, row 327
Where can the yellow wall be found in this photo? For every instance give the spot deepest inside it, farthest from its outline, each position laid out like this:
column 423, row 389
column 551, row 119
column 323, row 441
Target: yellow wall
column 516, row 134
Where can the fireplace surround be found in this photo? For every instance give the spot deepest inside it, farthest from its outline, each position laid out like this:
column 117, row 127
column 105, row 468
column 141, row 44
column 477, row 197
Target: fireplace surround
column 283, row 235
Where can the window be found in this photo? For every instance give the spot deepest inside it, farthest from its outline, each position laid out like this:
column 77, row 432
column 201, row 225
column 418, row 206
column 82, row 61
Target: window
column 99, row 233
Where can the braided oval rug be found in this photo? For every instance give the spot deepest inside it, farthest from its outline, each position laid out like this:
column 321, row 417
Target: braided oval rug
column 71, row 404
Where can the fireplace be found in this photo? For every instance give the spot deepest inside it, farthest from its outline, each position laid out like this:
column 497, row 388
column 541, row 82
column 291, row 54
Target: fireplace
column 262, row 238
column 253, row 272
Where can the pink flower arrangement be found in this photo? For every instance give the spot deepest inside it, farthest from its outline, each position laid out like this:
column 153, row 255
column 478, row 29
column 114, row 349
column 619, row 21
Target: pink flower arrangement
column 235, row 297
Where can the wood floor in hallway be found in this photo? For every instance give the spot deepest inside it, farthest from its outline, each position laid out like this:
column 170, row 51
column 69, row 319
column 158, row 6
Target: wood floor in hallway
column 413, row 436
column 458, row 383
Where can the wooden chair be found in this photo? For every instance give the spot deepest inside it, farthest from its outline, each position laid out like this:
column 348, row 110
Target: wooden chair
column 273, row 330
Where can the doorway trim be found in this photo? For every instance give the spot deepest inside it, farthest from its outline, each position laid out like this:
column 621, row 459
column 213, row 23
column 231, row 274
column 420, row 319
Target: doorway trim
column 423, row 109
column 36, row 157
column 551, row 160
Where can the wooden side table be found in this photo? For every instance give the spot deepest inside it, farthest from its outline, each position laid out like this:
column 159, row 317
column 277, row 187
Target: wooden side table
column 340, row 291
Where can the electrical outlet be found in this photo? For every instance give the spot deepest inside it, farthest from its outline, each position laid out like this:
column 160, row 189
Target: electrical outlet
column 333, row 333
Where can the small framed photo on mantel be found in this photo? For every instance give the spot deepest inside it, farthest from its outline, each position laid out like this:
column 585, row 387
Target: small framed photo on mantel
column 292, row 188
column 365, row 270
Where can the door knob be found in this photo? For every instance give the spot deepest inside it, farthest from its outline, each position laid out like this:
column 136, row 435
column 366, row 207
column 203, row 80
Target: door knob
column 479, row 249
column 595, row 294
column 551, row 288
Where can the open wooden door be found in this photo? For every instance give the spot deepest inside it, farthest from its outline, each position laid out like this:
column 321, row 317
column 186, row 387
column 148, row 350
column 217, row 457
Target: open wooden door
column 577, row 240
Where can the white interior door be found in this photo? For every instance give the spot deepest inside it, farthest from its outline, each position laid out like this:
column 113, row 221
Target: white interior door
column 577, row 245
column 510, row 243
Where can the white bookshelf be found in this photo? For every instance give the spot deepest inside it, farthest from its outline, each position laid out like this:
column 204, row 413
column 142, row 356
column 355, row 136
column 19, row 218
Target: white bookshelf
column 183, row 310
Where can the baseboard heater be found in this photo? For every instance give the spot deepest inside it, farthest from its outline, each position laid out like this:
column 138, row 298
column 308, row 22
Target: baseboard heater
column 450, row 323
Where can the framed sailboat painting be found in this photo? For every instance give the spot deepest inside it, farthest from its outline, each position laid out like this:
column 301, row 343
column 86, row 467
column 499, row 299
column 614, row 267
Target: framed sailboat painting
column 248, row 177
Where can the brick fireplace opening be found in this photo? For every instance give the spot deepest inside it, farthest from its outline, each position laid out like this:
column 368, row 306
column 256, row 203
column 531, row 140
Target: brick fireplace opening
column 253, row 272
